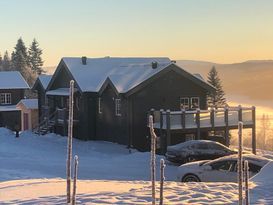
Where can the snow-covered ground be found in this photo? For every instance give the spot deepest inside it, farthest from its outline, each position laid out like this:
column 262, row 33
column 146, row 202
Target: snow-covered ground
column 32, row 171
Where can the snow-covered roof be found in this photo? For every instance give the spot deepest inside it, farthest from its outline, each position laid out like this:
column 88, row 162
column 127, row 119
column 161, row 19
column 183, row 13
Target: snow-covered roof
column 125, row 73
column 12, row 80
column 29, row 103
column 6, row 108
column 45, row 79
column 59, row 92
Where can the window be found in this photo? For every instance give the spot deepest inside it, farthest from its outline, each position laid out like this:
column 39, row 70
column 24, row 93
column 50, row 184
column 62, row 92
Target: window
column 224, row 166
column 184, row 103
column 117, row 107
column 5, row 98
column 99, row 106
column 194, row 102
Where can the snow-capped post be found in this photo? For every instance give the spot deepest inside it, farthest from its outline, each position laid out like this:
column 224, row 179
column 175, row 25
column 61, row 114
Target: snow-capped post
column 246, row 176
column 69, row 142
column 153, row 146
column 162, row 179
column 240, row 163
column 76, row 163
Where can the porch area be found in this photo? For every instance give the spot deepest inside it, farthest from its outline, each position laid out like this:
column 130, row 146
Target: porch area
column 197, row 121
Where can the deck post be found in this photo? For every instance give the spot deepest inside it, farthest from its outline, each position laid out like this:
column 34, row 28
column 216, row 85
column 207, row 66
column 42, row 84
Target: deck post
column 163, row 144
column 198, row 123
column 254, row 130
column 168, row 127
column 227, row 127
column 183, row 119
column 240, row 113
column 212, row 111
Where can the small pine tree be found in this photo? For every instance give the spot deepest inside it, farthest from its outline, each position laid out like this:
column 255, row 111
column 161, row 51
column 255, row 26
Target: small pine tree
column 217, row 98
column 34, row 58
column 6, row 64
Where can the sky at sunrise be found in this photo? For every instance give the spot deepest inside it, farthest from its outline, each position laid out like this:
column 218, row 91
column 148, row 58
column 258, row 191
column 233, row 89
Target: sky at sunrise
column 219, row 31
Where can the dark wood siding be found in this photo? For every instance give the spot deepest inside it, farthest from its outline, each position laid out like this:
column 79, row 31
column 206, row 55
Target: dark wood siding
column 111, row 127
column 62, row 80
column 16, row 95
column 164, row 93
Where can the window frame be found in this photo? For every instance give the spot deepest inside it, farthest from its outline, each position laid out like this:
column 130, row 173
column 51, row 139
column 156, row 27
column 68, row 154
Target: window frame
column 99, row 105
column 195, row 98
column 118, row 107
column 5, row 98
column 188, row 105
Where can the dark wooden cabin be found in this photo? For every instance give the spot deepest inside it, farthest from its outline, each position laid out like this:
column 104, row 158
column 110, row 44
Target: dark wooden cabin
column 114, row 95
column 40, row 86
column 12, row 89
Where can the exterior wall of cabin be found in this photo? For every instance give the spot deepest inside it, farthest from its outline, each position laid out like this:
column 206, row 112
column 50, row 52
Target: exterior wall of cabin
column 16, row 95
column 11, row 120
column 62, row 80
column 163, row 93
column 111, row 127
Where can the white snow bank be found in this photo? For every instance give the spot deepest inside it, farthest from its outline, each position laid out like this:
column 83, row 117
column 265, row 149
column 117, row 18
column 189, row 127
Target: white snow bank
column 265, row 176
column 115, row 192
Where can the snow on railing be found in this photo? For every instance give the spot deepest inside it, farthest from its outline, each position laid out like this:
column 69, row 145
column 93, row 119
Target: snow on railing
column 220, row 117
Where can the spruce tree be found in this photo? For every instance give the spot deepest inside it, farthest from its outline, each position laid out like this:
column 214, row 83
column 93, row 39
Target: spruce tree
column 34, row 58
column 217, row 98
column 6, row 64
column 20, row 63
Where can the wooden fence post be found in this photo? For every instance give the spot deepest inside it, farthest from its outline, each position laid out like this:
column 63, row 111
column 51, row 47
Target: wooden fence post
column 163, row 144
column 240, row 113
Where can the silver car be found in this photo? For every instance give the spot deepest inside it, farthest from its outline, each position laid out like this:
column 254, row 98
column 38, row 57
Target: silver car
column 223, row 169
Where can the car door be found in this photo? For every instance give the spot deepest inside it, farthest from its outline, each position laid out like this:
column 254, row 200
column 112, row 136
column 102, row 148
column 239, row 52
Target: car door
column 221, row 171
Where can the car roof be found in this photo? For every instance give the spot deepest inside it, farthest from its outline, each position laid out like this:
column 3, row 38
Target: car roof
column 194, row 142
column 258, row 160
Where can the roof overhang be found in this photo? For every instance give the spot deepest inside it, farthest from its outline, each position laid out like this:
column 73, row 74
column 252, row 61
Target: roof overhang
column 60, row 92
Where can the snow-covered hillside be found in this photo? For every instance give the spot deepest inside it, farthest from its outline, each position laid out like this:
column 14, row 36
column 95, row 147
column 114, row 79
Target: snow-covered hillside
column 109, row 175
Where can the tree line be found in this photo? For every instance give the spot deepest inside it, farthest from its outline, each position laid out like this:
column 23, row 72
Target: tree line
column 28, row 61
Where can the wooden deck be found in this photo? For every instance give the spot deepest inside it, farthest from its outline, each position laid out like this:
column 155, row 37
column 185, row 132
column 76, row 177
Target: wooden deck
column 225, row 119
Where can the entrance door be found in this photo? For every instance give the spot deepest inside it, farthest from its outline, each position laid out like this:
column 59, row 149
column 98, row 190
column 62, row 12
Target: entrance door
column 26, row 125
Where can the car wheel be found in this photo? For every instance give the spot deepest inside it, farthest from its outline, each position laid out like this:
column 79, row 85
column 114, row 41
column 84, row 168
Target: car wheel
column 190, row 178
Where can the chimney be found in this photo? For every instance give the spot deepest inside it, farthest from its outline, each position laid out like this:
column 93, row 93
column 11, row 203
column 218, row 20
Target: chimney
column 84, row 60
column 154, row 64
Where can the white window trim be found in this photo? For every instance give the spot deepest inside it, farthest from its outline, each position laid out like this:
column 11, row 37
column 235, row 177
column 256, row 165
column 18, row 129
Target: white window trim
column 118, row 107
column 185, row 98
column 6, row 102
column 99, row 106
column 193, row 98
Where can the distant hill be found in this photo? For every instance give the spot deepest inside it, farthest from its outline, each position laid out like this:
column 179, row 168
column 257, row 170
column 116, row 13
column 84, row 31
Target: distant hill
column 252, row 79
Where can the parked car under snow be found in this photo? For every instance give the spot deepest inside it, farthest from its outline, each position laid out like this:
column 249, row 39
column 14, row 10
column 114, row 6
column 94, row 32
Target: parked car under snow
column 223, row 169
column 194, row 150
